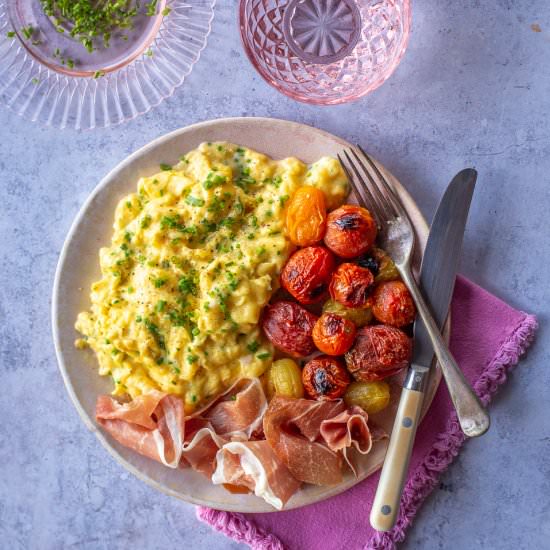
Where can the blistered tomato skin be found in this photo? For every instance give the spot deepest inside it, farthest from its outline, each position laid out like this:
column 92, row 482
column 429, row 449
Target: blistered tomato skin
column 306, row 216
column 379, row 351
column 307, row 274
column 351, row 285
column 325, row 378
column 392, row 304
column 333, row 334
column 288, row 327
column 351, row 231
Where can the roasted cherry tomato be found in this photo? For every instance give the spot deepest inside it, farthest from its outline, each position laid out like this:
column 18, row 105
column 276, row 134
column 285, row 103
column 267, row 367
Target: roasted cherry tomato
column 392, row 304
column 351, row 231
column 306, row 216
column 380, row 264
column 325, row 378
column 351, row 285
column 379, row 351
column 359, row 316
column 289, row 326
column 307, row 273
column 333, row 334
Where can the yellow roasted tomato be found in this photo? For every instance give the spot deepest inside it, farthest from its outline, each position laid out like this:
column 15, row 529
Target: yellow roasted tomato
column 195, row 255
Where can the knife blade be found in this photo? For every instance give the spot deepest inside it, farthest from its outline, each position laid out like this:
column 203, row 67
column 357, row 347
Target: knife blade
column 437, row 278
column 441, row 259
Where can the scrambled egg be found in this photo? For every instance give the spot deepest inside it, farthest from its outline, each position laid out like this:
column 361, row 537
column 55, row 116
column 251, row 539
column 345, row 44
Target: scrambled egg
column 195, row 255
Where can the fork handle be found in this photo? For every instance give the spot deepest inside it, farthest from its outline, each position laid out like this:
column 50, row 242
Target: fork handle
column 473, row 418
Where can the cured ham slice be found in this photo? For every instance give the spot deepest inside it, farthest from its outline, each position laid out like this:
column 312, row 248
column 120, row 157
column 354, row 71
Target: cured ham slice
column 254, row 465
column 346, row 429
column 138, row 411
column 152, row 425
column 240, row 412
column 350, row 429
column 201, row 446
column 291, row 427
column 236, row 415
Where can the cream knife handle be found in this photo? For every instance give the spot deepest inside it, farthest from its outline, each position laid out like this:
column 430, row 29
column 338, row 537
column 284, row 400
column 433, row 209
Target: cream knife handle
column 385, row 507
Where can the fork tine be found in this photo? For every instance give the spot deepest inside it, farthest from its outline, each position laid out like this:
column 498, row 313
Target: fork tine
column 391, row 195
column 374, row 199
column 360, row 190
column 384, row 206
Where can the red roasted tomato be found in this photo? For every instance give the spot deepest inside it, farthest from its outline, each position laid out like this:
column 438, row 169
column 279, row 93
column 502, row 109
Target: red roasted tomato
column 333, row 334
column 351, row 285
column 325, row 378
column 392, row 304
column 289, row 326
column 351, row 231
column 379, row 351
column 307, row 273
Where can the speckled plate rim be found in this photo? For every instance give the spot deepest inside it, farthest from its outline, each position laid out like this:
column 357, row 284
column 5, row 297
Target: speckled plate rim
column 135, row 463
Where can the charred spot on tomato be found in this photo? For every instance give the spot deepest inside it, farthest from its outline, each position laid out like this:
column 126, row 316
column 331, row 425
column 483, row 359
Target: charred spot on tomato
column 321, row 383
column 369, row 263
column 325, row 378
column 348, row 222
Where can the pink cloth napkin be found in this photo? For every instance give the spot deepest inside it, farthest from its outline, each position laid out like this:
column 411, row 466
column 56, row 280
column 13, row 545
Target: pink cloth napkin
column 487, row 339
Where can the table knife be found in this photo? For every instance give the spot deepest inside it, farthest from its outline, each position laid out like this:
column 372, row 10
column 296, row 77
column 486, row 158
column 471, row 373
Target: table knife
column 437, row 278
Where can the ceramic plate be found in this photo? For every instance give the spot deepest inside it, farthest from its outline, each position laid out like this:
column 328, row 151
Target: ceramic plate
column 79, row 266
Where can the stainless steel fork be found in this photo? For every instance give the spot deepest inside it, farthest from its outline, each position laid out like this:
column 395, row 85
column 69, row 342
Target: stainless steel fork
column 397, row 238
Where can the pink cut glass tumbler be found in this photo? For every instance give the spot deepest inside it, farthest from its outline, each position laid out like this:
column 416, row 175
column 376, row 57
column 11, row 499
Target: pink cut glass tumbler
column 325, row 51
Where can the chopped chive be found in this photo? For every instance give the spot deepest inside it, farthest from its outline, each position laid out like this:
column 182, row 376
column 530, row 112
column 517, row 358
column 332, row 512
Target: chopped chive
column 27, row 32
column 253, row 346
column 194, row 201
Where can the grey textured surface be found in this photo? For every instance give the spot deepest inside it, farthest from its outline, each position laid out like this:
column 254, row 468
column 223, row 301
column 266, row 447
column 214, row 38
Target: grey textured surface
column 473, row 89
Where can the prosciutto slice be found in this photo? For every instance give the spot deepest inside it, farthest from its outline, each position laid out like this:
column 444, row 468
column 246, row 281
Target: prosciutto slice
column 240, row 412
column 254, row 465
column 201, row 446
column 291, row 428
column 350, row 429
column 151, row 424
column 236, row 415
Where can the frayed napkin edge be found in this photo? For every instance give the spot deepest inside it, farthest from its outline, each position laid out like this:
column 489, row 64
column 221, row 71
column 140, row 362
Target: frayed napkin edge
column 239, row 528
column 449, row 442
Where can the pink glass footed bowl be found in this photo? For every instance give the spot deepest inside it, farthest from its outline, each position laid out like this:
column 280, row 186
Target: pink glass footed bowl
column 325, row 52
